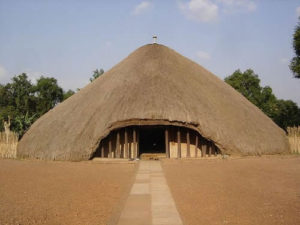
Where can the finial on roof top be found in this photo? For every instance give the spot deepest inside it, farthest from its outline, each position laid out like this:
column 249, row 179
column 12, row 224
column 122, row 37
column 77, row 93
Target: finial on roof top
column 154, row 39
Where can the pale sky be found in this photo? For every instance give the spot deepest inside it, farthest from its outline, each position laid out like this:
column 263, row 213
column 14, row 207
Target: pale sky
column 68, row 39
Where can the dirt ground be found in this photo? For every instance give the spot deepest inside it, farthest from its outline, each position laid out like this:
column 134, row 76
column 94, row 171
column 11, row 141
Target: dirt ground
column 243, row 191
column 252, row 190
column 56, row 193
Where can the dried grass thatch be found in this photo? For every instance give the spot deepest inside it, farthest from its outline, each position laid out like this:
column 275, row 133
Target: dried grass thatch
column 294, row 139
column 8, row 145
column 153, row 85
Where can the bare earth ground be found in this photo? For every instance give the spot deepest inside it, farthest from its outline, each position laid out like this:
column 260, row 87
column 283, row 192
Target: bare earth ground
column 253, row 190
column 39, row 192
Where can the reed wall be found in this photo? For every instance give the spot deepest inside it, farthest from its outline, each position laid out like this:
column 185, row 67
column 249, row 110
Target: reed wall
column 8, row 144
column 294, row 139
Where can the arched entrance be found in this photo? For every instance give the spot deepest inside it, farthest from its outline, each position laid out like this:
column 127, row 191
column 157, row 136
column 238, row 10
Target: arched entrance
column 168, row 141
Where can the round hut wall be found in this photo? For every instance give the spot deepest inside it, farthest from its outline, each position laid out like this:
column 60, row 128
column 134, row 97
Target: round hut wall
column 173, row 141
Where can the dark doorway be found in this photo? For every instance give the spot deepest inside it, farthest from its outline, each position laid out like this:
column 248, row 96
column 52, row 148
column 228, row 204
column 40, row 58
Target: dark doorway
column 151, row 140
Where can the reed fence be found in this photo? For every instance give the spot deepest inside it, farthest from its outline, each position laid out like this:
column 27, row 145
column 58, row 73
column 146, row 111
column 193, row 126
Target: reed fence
column 294, row 138
column 8, row 144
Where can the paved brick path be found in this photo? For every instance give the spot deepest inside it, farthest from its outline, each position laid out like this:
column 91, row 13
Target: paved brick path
column 150, row 201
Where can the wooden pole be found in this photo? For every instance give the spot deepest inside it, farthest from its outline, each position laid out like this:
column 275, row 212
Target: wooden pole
column 118, row 145
column 203, row 147
column 102, row 149
column 126, row 152
column 137, row 143
column 196, row 146
column 109, row 147
column 134, row 143
column 178, row 144
column 188, row 153
column 167, row 143
column 213, row 149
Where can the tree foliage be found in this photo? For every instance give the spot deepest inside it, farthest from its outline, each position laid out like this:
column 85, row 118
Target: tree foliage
column 295, row 63
column 47, row 93
column 68, row 94
column 97, row 73
column 283, row 112
column 246, row 83
column 25, row 102
column 287, row 114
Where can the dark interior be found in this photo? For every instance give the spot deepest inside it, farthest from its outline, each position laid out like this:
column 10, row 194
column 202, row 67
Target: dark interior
column 151, row 140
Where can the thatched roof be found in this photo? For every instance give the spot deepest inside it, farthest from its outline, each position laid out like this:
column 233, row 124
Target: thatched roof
column 153, row 85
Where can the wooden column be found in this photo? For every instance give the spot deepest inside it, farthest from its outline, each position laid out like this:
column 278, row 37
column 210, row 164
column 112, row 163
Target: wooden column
column 137, row 143
column 134, row 143
column 109, row 147
column 213, row 149
column 203, row 147
column 118, row 145
column 196, row 146
column 102, row 149
column 126, row 152
column 188, row 153
column 178, row 143
column 217, row 150
column 167, row 143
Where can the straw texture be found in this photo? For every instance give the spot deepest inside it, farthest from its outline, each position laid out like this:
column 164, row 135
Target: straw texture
column 8, row 144
column 153, row 85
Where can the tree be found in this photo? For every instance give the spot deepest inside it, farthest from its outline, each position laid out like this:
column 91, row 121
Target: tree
column 97, row 73
column 283, row 113
column 247, row 83
column 16, row 99
column 68, row 94
column 47, row 93
column 24, row 102
column 6, row 107
column 286, row 114
column 295, row 63
column 21, row 93
column 23, row 122
column 267, row 101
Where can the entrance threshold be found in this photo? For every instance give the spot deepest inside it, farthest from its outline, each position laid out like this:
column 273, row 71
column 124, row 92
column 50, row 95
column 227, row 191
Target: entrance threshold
column 152, row 156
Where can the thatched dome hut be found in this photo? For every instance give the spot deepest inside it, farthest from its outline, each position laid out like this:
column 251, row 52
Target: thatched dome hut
column 155, row 100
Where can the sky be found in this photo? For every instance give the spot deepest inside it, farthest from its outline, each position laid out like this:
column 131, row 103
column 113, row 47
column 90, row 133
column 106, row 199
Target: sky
column 69, row 39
